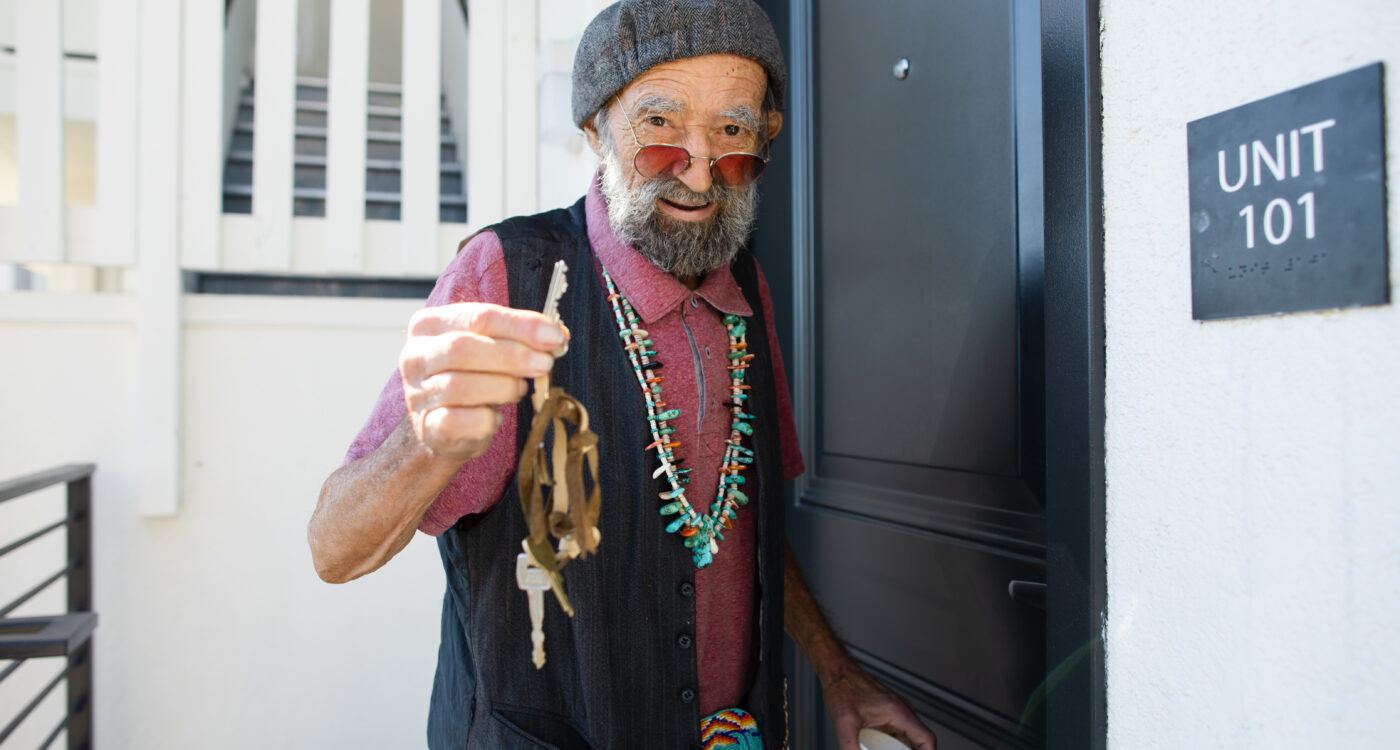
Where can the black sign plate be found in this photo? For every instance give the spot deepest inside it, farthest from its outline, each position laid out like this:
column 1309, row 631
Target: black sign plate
column 1288, row 208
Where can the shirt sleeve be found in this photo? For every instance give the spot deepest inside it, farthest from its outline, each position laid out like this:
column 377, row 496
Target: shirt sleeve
column 787, row 430
column 476, row 274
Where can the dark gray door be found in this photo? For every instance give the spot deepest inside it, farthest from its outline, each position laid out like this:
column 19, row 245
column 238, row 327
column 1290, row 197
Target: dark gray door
column 919, row 356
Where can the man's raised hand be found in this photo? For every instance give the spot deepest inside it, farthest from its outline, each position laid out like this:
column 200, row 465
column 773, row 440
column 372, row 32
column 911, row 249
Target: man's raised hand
column 461, row 361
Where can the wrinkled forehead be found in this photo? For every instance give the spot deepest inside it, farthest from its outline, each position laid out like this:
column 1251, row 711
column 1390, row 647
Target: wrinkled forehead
column 707, row 86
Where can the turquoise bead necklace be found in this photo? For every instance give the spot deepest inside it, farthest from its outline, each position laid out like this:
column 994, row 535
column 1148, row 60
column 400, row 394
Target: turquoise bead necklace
column 702, row 531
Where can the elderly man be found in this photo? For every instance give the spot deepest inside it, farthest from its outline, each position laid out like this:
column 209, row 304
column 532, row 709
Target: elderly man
column 676, row 637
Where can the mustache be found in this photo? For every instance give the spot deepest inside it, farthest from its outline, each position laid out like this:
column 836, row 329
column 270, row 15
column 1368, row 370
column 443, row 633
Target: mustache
column 676, row 191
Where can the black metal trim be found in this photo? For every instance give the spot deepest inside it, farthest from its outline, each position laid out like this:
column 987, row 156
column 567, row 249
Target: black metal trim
column 55, row 635
column 966, row 718
column 997, row 531
column 12, row 546
column 30, row 594
column 67, row 635
column 53, row 735
column 29, row 708
column 13, row 488
column 11, row 49
column 1073, row 336
column 202, row 282
column 1076, row 707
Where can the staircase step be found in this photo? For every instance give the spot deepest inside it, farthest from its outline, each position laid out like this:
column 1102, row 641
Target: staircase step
column 318, row 160
column 305, row 193
column 309, row 131
column 373, row 110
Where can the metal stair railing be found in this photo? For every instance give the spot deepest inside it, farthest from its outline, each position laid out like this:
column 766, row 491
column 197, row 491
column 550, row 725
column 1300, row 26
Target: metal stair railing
column 66, row 635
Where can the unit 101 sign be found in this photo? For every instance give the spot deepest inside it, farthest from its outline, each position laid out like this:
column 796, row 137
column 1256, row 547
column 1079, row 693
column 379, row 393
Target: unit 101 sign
column 1288, row 201
column 1281, row 164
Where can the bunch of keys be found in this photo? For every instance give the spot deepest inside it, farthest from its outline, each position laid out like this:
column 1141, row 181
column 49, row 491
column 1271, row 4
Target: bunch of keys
column 537, row 568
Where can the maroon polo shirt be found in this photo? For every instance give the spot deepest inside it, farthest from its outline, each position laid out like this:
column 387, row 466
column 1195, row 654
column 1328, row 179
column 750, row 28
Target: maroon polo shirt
column 691, row 338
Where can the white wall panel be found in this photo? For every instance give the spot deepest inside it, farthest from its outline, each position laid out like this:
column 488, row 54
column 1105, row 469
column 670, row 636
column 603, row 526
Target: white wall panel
column 170, row 596
column 158, row 274
column 39, row 131
column 1251, row 463
column 201, row 184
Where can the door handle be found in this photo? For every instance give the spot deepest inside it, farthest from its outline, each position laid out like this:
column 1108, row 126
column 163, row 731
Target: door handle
column 1027, row 592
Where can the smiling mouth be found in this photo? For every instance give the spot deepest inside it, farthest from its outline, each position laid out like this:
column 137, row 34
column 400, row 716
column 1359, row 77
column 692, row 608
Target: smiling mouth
column 683, row 207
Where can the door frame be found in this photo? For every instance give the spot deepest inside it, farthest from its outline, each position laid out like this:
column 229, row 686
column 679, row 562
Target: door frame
column 1076, row 611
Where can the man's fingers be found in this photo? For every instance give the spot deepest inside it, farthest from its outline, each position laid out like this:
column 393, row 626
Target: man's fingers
column 492, row 321
column 460, row 432
column 847, row 731
column 914, row 735
column 456, row 388
column 461, row 422
column 472, row 352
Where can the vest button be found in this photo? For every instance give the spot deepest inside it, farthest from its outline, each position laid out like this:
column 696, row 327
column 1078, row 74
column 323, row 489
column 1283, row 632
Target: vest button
column 687, row 696
column 687, row 589
column 683, row 640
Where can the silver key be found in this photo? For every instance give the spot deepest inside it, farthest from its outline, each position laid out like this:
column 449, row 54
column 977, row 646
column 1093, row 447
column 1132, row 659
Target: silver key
column 557, row 286
column 534, row 582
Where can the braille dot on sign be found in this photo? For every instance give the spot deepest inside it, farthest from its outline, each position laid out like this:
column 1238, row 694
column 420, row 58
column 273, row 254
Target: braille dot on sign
column 687, row 589
column 687, row 695
column 683, row 641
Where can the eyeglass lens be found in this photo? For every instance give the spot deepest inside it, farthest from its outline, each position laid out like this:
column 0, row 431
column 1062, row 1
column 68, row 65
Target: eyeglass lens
column 731, row 170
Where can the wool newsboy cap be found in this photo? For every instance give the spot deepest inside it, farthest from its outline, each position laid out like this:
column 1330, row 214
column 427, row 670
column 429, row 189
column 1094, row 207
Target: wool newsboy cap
column 627, row 38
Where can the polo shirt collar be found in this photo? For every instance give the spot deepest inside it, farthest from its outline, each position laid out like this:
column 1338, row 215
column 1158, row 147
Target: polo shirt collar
column 654, row 294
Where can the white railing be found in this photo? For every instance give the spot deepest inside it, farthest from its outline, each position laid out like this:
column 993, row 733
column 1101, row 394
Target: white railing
column 170, row 74
column 162, row 81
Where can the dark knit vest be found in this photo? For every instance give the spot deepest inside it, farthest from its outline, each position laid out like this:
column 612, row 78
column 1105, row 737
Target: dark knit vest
column 617, row 674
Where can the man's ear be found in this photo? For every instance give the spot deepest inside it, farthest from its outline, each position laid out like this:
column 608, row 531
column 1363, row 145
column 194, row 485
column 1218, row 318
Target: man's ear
column 775, row 123
column 594, row 139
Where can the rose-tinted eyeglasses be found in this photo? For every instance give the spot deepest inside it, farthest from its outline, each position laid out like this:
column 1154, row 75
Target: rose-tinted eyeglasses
column 662, row 160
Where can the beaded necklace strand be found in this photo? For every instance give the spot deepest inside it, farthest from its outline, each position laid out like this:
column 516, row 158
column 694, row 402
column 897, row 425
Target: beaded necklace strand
column 702, row 531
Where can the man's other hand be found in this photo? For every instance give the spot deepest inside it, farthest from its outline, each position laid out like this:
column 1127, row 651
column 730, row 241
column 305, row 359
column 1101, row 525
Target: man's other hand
column 855, row 701
column 461, row 361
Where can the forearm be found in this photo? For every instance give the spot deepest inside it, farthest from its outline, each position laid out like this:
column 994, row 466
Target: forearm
column 368, row 510
column 804, row 623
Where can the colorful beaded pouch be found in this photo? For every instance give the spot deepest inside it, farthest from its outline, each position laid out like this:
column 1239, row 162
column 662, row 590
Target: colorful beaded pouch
column 731, row 728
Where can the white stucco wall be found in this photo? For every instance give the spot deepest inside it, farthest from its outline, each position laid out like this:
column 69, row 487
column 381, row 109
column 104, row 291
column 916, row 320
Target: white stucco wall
column 215, row 631
column 1253, row 484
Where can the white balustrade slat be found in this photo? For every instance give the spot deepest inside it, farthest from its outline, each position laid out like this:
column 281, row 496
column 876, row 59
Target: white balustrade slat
column 202, row 139
column 118, row 94
column 345, row 142
column 158, row 263
column 486, row 134
column 422, row 133
column 39, row 130
column 274, row 120
column 521, row 107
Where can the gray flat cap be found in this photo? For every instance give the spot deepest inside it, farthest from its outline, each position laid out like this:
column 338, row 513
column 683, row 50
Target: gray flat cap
column 629, row 37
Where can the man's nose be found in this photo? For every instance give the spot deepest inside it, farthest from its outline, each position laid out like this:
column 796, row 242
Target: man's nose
column 697, row 175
